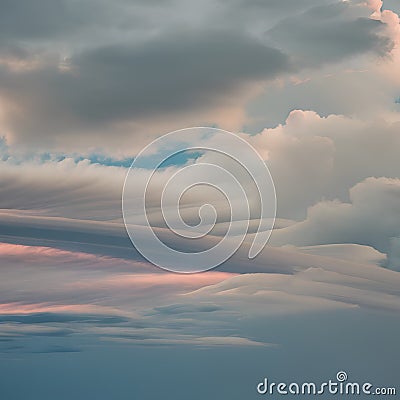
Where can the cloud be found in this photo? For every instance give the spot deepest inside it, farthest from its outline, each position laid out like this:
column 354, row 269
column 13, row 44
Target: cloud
column 369, row 219
column 69, row 272
column 192, row 66
column 14, row 331
column 44, row 19
column 140, row 69
column 77, row 205
column 313, row 158
column 72, row 288
column 57, row 349
column 330, row 33
column 360, row 85
column 392, row 5
column 350, row 251
column 58, row 186
column 310, row 158
column 117, row 83
column 174, row 309
column 205, row 341
column 12, row 254
column 72, row 295
column 305, row 291
column 394, row 253
column 45, row 318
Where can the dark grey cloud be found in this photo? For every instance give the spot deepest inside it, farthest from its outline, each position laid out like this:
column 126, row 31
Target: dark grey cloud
column 85, row 69
column 330, row 33
column 40, row 19
column 268, row 10
column 60, row 20
column 171, row 73
column 186, row 308
column 182, row 70
column 47, row 317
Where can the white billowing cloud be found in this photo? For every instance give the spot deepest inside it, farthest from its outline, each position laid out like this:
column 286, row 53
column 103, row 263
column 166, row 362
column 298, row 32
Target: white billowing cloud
column 313, row 158
column 348, row 251
column 372, row 217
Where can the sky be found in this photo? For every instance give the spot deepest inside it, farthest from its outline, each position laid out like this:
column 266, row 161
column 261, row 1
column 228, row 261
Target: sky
column 312, row 85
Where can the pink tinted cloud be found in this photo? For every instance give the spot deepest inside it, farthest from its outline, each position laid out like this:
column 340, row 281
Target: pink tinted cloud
column 143, row 281
column 15, row 308
column 53, row 257
column 136, row 276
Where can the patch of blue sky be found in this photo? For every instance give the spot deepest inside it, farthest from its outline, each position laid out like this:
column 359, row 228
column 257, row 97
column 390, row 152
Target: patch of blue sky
column 4, row 150
column 181, row 158
column 108, row 161
column 178, row 159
